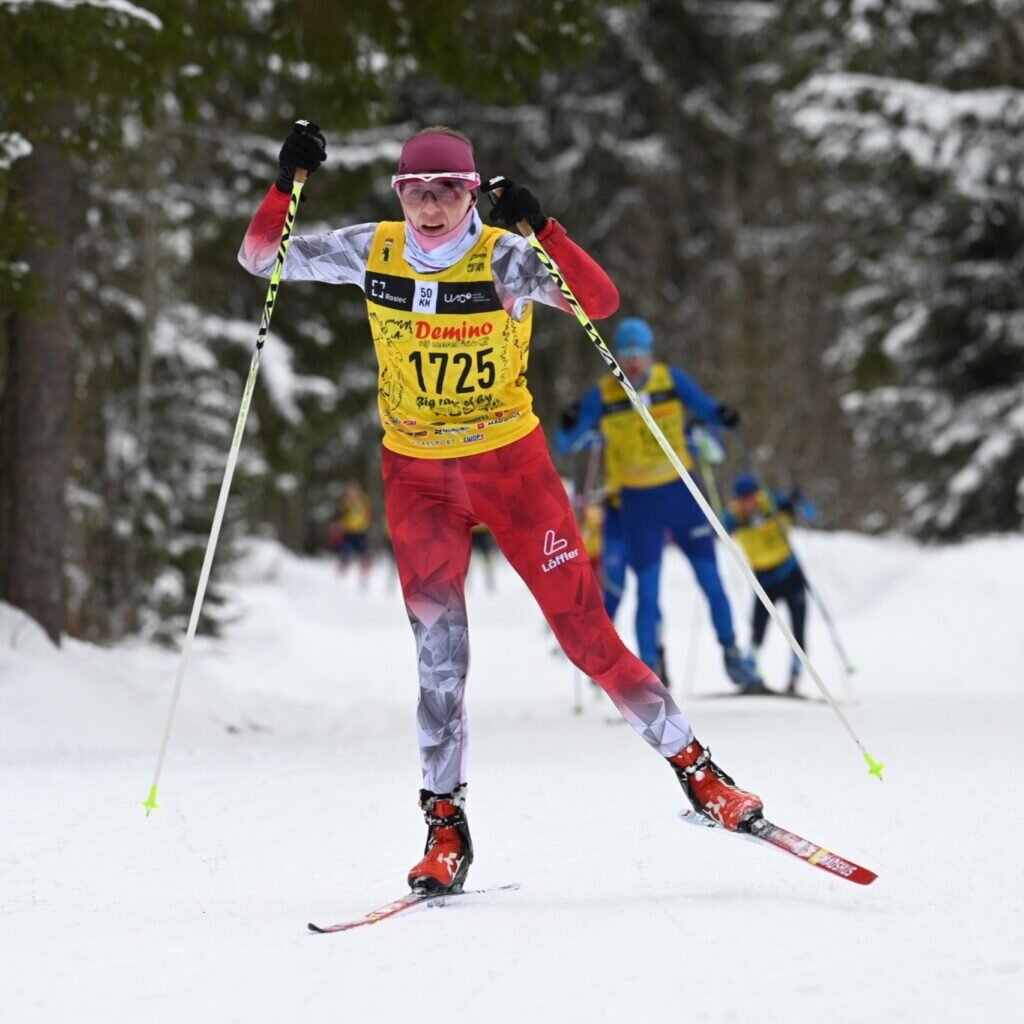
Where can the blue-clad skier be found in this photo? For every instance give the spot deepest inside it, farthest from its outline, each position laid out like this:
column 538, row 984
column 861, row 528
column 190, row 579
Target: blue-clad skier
column 654, row 502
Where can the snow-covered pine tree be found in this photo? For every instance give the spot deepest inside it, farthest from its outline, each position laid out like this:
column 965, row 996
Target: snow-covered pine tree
column 661, row 154
column 167, row 319
column 914, row 114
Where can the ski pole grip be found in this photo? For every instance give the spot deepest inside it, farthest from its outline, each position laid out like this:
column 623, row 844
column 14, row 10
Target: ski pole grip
column 300, row 175
column 524, row 225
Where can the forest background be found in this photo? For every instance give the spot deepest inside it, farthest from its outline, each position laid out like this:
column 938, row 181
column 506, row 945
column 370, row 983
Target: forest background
column 817, row 205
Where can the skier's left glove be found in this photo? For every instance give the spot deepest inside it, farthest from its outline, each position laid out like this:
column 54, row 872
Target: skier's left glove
column 728, row 416
column 515, row 204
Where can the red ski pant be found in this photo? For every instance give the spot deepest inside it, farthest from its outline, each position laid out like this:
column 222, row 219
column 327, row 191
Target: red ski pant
column 432, row 506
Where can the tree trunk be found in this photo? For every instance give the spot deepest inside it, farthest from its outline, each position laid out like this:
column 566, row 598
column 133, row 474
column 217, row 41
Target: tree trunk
column 126, row 609
column 38, row 394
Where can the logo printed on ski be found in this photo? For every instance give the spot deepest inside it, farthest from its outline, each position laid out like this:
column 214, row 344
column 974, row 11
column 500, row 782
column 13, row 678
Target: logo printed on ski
column 764, row 831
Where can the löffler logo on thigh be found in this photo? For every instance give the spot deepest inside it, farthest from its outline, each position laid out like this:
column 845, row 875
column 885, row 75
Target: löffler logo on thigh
column 555, row 549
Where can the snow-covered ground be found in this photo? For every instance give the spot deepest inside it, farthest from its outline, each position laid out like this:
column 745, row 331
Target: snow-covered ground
column 289, row 795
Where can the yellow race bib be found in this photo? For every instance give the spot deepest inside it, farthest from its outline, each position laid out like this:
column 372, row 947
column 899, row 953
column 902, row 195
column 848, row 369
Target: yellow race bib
column 452, row 362
column 632, row 456
column 762, row 538
column 356, row 515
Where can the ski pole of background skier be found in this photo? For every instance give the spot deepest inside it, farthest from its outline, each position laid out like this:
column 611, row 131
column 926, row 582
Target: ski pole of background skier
column 815, row 596
column 218, row 517
column 581, row 499
column 494, row 191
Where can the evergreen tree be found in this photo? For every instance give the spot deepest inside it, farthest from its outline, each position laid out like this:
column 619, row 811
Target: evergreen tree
column 914, row 113
column 172, row 117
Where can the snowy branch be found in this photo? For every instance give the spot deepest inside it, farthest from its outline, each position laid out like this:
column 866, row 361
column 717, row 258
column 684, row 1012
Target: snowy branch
column 130, row 10
column 12, row 147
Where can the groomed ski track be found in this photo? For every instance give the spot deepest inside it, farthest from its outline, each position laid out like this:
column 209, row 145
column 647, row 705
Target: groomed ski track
column 289, row 795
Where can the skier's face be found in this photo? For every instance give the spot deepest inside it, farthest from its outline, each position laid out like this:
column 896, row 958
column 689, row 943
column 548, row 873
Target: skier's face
column 748, row 503
column 435, row 207
column 637, row 368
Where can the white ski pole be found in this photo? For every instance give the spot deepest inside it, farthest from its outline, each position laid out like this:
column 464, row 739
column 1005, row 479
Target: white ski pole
column 874, row 767
column 218, row 517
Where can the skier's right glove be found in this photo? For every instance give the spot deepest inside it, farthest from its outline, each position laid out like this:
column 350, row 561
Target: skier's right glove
column 305, row 147
column 569, row 416
column 728, row 416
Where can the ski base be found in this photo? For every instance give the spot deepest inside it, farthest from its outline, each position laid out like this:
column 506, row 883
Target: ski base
column 764, row 831
column 407, row 902
column 767, row 692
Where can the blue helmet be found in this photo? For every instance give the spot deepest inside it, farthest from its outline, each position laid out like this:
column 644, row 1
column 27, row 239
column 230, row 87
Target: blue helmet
column 634, row 336
column 744, row 484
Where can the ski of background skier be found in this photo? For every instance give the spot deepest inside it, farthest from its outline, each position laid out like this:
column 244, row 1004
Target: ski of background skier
column 764, row 831
column 768, row 692
column 409, row 901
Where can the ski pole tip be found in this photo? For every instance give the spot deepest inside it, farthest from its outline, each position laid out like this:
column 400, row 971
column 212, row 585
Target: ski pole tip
column 150, row 802
column 874, row 767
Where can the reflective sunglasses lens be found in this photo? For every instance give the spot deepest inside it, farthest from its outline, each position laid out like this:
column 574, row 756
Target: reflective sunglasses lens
column 444, row 191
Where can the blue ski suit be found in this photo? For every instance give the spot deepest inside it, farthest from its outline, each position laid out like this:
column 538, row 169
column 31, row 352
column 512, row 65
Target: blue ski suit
column 654, row 502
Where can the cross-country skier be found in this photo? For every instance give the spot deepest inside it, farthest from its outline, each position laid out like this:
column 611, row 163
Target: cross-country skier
column 654, row 501
column 350, row 531
column 450, row 304
column 760, row 524
column 611, row 566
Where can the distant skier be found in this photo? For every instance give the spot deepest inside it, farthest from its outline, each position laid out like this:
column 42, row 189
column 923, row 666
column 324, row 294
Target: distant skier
column 351, row 530
column 450, row 305
column 611, row 563
column 654, row 501
column 760, row 524
column 591, row 529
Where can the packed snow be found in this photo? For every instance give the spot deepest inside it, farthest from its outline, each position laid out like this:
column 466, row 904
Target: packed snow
column 289, row 795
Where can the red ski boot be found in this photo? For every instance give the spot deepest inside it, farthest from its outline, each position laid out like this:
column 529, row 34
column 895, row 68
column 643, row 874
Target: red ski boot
column 449, row 849
column 712, row 792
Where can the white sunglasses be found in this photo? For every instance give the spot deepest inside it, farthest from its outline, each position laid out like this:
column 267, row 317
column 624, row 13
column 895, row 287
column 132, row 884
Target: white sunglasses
column 470, row 176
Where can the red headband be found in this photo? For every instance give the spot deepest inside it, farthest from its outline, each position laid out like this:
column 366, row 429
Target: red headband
column 436, row 153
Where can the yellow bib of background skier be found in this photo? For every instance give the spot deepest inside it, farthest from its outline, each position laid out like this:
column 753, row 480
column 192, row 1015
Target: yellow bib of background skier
column 356, row 515
column 762, row 538
column 452, row 361
column 633, row 456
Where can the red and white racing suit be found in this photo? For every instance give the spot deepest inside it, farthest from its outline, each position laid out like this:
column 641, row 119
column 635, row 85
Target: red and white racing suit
column 462, row 446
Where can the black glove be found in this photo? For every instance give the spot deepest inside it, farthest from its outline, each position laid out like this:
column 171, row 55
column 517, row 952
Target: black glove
column 728, row 416
column 569, row 416
column 305, row 147
column 516, row 203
